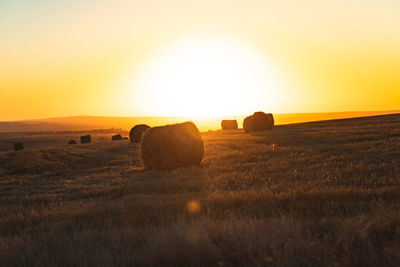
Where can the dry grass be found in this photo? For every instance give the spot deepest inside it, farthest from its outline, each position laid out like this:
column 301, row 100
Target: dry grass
column 309, row 194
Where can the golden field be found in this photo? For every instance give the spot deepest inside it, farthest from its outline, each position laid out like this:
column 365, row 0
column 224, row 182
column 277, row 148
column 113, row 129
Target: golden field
column 310, row 194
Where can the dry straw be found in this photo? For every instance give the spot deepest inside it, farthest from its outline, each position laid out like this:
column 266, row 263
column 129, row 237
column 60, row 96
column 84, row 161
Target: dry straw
column 247, row 124
column 136, row 132
column 85, row 139
column 229, row 124
column 116, row 137
column 259, row 121
column 172, row 146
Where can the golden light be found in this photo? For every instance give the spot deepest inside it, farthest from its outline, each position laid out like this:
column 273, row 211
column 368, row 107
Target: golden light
column 193, row 206
column 206, row 76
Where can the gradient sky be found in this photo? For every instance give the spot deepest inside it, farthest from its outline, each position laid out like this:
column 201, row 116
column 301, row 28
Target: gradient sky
column 65, row 58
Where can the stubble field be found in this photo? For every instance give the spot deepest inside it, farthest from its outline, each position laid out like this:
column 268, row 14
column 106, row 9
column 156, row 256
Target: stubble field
column 321, row 193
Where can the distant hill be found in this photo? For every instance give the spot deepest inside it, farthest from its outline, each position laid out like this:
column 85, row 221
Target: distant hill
column 78, row 123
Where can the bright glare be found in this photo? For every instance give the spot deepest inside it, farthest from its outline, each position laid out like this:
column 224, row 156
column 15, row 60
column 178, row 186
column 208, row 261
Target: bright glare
column 206, row 76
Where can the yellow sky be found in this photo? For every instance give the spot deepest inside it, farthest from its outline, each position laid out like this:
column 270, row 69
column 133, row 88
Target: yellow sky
column 85, row 57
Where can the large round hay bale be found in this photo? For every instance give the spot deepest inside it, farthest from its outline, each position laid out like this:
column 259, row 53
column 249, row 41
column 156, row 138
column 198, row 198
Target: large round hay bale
column 261, row 122
column 247, row 124
column 172, row 146
column 136, row 133
column 229, row 125
column 116, row 137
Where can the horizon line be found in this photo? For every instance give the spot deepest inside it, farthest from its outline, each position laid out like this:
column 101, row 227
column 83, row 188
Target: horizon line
column 197, row 116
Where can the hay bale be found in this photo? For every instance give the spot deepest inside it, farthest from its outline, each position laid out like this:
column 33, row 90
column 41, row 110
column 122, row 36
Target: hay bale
column 247, row 124
column 116, row 137
column 172, row 146
column 229, row 125
column 136, row 133
column 85, row 139
column 259, row 121
column 71, row 142
column 18, row 146
column 271, row 117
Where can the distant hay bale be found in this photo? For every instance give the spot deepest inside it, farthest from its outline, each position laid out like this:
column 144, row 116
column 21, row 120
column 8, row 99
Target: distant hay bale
column 229, row 124
column 172, row 146
column 18, row 146
column 247, row 124
column 136, row 132
column 85, row 139
column 259, row 121
column 71, row 142
column 271, row 118
column 116, row 137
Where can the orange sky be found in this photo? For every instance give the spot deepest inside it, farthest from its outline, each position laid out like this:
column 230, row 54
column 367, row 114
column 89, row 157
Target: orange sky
column 69, row 58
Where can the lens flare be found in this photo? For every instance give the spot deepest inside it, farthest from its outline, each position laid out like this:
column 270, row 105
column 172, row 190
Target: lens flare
column 193, row 206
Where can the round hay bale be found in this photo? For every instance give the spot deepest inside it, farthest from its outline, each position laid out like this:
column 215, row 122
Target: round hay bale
column 136, row 133
column 71, row 142
column 172, row 146
column 85, row 139
column 261, row 121
column 271, row 118
column 247, row 124
column 229, row 125
column 116, row 137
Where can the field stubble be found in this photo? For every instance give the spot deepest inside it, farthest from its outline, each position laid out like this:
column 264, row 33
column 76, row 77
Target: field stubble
column 323, row 193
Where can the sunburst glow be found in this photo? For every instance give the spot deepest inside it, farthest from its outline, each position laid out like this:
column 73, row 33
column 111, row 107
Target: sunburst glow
column 206, row 76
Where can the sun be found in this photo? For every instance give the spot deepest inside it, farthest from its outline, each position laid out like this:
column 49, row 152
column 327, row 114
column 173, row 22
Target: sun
column 206, row 76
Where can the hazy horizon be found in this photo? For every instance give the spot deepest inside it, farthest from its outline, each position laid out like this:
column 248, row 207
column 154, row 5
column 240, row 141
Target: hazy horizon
column 85, row 122
column 234, row 115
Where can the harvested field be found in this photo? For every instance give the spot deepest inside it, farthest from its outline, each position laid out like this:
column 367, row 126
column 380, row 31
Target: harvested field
column 320, row 193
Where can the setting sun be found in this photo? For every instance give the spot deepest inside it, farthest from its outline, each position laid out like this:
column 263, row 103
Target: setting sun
column 206, row 75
